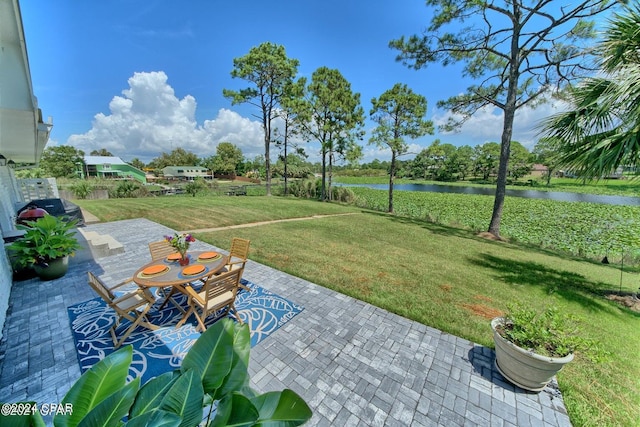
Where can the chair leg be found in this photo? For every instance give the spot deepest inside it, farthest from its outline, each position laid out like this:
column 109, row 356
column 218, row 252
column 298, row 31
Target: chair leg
column 170, row 298
column 186, row 316
column 200, row 321
column 146, row 322
column 112, row 331
column 191, row 311
column 149, row 325
column 166, row 300
column 137, row 322
column 235, row 313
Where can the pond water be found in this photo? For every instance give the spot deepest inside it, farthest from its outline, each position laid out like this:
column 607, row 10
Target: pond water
column 490, row 191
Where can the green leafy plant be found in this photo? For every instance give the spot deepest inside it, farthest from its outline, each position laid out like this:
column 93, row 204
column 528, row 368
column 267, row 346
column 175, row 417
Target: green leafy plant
column 196, row 186
column 81, row 189
column 213, row 375
column 125, row 189
column 548, row 333
column 306, row 188
column 45, row 240
column 343, row 194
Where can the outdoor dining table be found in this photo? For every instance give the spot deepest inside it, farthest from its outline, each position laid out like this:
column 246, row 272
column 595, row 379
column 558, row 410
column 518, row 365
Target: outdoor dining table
column 168, row 273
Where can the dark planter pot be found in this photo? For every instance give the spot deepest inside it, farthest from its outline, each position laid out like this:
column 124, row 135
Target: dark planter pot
column 56, row 269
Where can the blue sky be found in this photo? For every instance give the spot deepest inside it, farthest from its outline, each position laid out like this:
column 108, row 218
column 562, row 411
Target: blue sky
column 144, row 77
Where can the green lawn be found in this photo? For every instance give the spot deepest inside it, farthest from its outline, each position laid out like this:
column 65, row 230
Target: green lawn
column 189, row 213
column 440, row 276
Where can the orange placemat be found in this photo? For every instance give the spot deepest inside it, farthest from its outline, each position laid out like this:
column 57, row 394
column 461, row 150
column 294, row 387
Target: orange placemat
column 208, row 255
column 174, row 257
column 154, row 269
column 193, row 269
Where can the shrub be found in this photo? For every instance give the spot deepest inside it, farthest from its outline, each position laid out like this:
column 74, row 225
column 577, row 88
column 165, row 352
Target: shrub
column 125, row 189
column 306, row 188
column 81, row 189
column 194, row 187
column 547, row 333
column 343, row 194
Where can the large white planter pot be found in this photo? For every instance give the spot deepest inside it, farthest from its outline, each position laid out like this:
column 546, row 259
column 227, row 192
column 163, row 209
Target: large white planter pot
column 524, row 368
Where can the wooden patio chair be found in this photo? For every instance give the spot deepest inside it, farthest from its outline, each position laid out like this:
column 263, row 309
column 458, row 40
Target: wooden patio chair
column 132, row 306
column 160, row 249
column 218, row 291
column 238, row 256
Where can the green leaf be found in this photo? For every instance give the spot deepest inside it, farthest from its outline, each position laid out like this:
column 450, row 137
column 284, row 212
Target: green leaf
column 212, row 355
column 185, row 398
column 235, row 410
column 152, row 393
column 95, row 385
column 30, row 419
column 238, row 377
column 110, row 411
column 282, row 408
column 155, row 418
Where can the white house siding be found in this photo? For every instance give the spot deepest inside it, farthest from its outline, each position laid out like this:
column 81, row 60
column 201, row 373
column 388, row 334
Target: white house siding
column 5, row 288
column 8, row 198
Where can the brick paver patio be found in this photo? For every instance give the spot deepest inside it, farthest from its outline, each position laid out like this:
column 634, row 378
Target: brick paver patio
column 354, row 364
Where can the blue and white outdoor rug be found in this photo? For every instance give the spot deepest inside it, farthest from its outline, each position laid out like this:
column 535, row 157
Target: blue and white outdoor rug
column 156, row 352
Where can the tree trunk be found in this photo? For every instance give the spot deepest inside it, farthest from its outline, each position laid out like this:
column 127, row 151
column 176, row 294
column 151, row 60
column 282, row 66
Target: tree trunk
column 286, row 134
column 507, row 131
column 330, row 195
column 324, row 175
column 392, row 174
column 505, row 148
column 266, row 125
column 501, row 184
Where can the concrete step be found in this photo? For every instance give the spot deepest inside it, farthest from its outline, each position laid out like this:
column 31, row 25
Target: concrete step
column 102, row 245
column 89, row 235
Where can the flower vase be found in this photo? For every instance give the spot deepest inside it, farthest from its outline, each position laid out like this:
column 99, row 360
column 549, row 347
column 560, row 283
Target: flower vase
column 184, row 260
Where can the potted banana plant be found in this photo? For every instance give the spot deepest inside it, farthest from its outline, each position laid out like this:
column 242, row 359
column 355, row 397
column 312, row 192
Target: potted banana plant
column 532, row 347
column 45, row 247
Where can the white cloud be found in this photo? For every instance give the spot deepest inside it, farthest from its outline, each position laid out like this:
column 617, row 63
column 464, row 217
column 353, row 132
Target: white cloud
column 231, row 127
column 373, row 152
column 486, row 125
column 149, row 119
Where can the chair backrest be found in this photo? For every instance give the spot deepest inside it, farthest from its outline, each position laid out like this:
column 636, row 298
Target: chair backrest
column 108, row 296
column 217, row 285
column 239, row 248
column 101, row 289
column 160, row 249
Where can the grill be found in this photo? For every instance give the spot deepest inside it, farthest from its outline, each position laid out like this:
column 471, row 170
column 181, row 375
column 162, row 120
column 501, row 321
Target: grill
column 31, row 213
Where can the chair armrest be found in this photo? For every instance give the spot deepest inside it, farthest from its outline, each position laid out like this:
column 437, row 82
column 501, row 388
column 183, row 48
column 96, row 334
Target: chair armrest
column 124, row 282
column 193, row 294
column 146, row 293
column 236, row 261
column 132, row 294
